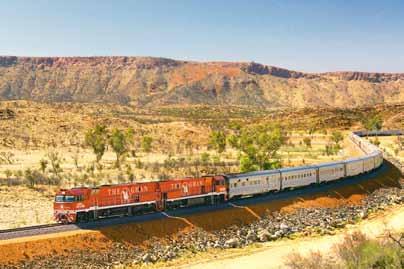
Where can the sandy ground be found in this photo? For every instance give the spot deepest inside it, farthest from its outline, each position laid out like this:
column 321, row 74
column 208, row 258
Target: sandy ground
column 22, row 206
column 274, row 254
column 391, row 145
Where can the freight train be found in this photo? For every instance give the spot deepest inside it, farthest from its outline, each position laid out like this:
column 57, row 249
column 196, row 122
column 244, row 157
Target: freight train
column 88, row 204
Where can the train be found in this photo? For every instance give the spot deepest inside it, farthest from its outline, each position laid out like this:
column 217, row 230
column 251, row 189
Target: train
column 85, row 204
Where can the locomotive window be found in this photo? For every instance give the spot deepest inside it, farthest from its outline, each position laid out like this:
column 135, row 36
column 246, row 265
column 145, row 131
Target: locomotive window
column 70, row 198
column 65, row 199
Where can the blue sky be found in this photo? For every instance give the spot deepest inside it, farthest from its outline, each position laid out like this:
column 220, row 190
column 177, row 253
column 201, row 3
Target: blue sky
column 312, row 36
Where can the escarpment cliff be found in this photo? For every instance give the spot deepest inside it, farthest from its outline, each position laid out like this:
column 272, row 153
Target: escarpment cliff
column 146, row 81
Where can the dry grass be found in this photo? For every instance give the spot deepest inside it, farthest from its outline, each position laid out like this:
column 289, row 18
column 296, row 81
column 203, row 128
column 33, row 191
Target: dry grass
column 391, row 144
column 22, row 206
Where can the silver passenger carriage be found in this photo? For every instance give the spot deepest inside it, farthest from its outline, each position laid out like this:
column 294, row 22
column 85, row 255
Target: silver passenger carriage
column 252, row 183
column 298, row 176
column 330, row 171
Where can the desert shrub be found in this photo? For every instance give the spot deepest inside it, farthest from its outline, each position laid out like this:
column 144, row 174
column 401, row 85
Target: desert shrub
column 307, row 141
column 375, row 141
column 355, row 252
column 129, row 173
column 313, row 260
column 216, row 159
column 6, row 158
column 8, row 174
column 34, row 177
column 43, row 164
column 331, row 149
column 139, row 164
column 218, row 141
column 205, row 157
column 147, row 143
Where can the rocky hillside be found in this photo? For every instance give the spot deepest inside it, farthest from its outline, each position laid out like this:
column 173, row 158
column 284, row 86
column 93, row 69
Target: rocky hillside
column 150, row 82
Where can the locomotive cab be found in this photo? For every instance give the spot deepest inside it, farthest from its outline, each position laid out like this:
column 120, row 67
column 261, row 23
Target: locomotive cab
column 67, row 203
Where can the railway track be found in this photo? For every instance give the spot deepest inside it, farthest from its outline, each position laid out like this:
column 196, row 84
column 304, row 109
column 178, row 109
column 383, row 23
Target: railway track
column 35, row 230
column 28, row 228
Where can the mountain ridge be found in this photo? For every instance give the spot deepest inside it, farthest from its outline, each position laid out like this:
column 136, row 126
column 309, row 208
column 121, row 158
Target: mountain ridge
column 153, row 81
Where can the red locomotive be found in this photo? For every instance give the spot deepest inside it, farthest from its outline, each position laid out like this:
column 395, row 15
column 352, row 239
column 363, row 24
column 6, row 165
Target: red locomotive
column 86, row 204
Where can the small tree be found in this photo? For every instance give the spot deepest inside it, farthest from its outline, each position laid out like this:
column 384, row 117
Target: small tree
column 130, row 134
column 307, row 142
column 147, row 143
column 218, row 141
column 29, row 177
column 43, row 164
column 55, row 163
column 129, row 172
column 119, row 145
column 96, row 138
column 258, row 146
column 336, row 137
column 372, row 123
column 205, row 158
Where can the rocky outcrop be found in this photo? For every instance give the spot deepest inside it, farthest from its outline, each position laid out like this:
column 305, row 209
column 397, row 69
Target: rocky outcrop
column 260, row 69
column 147, row 81
column 369, row 77
column 6, row 114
